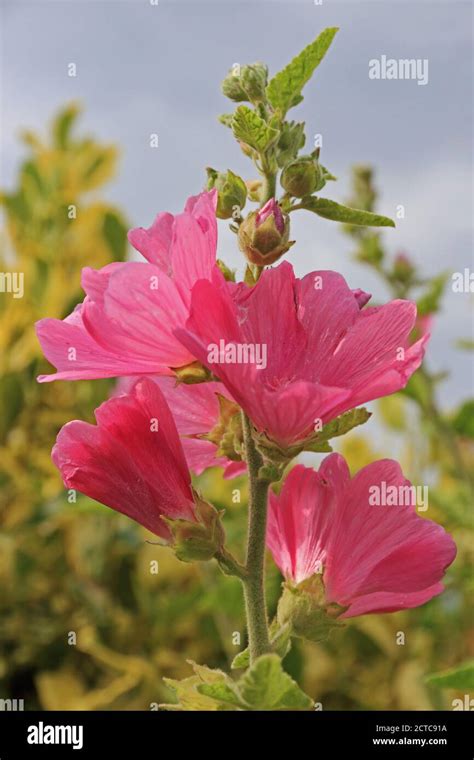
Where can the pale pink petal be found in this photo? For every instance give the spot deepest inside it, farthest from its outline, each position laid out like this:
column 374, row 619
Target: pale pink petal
column 297, row 534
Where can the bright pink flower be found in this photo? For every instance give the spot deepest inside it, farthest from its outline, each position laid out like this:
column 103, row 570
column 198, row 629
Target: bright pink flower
column 374, row 558
column 132, row 460
column 125, row 324
column 323, row 354
column 195, row 409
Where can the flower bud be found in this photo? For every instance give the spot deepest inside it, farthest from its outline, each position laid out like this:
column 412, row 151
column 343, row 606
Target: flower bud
column 231, row 192
column 305, row 609
column 198, row 541
column 302, row 176
column 263, row 236
column 246, row 83
column 254, row 187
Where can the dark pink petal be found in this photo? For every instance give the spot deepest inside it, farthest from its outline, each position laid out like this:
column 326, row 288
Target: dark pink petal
column 132, row 460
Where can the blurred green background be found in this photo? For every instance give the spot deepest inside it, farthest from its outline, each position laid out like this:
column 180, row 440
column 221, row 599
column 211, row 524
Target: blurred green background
column 86, row 623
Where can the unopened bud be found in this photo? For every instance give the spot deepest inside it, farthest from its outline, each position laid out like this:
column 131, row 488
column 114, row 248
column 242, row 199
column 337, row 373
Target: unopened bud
column 198, row 541
column 246, row 83
column 302, row 176
column 231, row 192
column 264, row 234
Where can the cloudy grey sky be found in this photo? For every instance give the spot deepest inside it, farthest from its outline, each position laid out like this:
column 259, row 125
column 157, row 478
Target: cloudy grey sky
column 143, row 68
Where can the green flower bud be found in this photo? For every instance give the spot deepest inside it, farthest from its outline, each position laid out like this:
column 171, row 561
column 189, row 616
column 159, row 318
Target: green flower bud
column 264, row 235
column 305, row 609
column 254, row 81
column 198, row 541
column 246, row 83
column 231, row 192
column 254, row 188
column 303, row 176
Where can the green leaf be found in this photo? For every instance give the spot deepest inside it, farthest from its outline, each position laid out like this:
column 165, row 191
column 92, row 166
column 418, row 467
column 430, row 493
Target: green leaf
column 266, row 686
column 460, row 677
column 292, row 139
column 207, row 689
column 189, row 699
column 63, row 124
column 431, row 299
column 280, row 639
column 284, row 89
column 115, row 233
column 248, row 127
column 339, row 426
column 241, row 660
column 226, row 119
column 221, row 692
column 338, row 213
column 463, row 422
column 465, row 344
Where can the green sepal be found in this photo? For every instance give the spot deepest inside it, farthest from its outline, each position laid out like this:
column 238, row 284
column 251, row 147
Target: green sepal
column 304, row 609
column 315, row 442
column 197, row 541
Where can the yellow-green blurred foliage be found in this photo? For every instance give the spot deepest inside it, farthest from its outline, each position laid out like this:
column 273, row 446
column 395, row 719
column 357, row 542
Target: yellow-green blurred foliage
column 93, row 616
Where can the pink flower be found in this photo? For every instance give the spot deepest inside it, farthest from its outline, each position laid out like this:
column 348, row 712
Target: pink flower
column 125, row 324
column 132, row 460
column 196, row 412
column 374, row 557
column 323, row 354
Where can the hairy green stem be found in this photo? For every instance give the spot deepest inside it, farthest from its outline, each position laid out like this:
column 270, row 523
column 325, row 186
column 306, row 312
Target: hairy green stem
column 229, row 565
column 254, row 581
column 269, row 187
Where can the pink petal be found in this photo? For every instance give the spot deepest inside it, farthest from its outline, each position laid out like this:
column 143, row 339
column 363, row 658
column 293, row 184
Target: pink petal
column 297, row 533
column 127, row 464
column 376, row 558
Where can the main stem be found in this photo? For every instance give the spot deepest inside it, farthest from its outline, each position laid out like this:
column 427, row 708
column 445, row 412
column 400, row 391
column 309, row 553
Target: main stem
column 254, row 581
